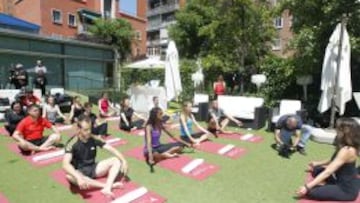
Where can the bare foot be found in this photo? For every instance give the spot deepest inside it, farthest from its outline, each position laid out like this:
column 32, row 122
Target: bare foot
column 175, row 155
column 107, row 193
column 117, row 185
column 42, row 149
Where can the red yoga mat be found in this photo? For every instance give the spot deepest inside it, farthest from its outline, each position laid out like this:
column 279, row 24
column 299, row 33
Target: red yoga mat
column 115, row 143
column 3, row 131
column 95, row 196
column 202, row 172
column 14, row 148
column 140, row 132
column 238, row 136
column 212, row 147
column 304, row 200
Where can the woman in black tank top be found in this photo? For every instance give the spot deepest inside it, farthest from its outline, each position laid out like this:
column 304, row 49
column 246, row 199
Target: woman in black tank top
column 336, row 179
column 76, row 109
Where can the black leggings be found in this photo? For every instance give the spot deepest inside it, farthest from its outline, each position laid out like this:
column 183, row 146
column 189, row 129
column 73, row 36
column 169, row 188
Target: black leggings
column 330, row 191
column 138, row 124
column 101, row 129
column 11, row 129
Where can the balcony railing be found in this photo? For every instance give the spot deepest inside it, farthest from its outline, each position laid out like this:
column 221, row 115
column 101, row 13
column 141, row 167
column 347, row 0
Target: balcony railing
column 159, row 25
column 164, row 8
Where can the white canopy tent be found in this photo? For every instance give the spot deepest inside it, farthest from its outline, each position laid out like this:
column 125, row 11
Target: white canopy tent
column 149, row 63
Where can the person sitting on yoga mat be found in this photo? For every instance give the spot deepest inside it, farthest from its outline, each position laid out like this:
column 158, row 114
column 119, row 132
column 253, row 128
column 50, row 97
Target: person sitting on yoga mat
column 156, row 103
column 154, row 151
column 13, row 117
column 76, row 109
column 186, row 125
column 79, row 161
column 29, row 133
column 52, row 112
column 336, row 179
column 218, row 119
column 29, row 98
column 105, row 106
column 98, row 126
column 126, row 117
column 286, row 127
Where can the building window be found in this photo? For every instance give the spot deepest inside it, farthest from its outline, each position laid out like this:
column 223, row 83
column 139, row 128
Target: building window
column 56, row 16
column 276, row 46
column 72, row 20
column 138, row 35
column 278, row 22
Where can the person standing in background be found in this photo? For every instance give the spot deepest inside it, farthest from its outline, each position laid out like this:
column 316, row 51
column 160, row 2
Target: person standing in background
column 219, row 86
column 19, row 77
column 40, row 80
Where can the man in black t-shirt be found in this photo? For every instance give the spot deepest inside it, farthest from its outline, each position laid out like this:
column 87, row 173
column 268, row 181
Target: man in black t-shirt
column 79, row 161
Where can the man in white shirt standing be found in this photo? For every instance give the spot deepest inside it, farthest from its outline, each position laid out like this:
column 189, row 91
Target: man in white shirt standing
column 40, row 67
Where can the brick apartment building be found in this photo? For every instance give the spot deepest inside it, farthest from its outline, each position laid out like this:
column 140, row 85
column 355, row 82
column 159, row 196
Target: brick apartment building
column 68, row 18
column 6, row 6
column 284, row 34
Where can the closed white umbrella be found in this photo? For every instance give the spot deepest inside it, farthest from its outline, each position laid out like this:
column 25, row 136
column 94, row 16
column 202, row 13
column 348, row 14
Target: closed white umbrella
column 172, row 72
column 329, row 72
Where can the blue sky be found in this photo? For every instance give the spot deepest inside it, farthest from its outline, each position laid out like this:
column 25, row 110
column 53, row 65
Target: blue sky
column 128, row 6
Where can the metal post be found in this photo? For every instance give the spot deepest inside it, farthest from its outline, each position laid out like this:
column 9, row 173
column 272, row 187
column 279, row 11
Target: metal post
column 333, row 101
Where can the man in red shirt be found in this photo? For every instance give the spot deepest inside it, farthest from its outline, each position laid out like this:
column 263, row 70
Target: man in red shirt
column 29, row 133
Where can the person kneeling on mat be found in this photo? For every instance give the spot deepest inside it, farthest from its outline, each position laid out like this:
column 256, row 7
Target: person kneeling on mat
column 99, row 126
column 29, row 133
column 154, row 151
column 286, row 127
column 218, row 119
column 126, row 117
column 186, row 123
column 79, row 161
column 335, row 179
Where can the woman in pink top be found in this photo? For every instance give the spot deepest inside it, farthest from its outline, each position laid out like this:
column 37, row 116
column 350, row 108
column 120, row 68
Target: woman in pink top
column 105, row 106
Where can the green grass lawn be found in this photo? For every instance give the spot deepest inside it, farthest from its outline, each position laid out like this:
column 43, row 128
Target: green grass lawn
column 259, row 176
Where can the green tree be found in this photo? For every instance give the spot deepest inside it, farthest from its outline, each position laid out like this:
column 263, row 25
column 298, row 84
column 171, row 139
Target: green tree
column 115, row 32
column 226, row 34
column 313, row 23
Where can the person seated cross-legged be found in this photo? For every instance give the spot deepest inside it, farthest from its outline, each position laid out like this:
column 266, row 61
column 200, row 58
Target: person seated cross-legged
column 80, row 166
column 218, row 119
column 286, row 127
column 126, row 117
column 156, row 104
column 99, row 125
column 154, row 151
column 29, row 133
column 335, row 178
column 13, row 117
column 186, row 124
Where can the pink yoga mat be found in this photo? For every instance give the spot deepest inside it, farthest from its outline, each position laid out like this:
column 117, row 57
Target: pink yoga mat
column 213, row 147
column 202, row 172
column 14, row 148
column 117, row 143
column 140, row 132
column 95, row 196
column 3, row 199
column 238, row 136
column 308, row 179
column 3, row 131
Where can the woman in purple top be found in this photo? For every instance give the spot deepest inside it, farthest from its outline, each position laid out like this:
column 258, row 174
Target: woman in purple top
column 154, row 151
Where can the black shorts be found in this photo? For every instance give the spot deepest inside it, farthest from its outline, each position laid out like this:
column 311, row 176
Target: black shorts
column 37, row 142
column 194, row 135
column 89, row 170
column 166, row 147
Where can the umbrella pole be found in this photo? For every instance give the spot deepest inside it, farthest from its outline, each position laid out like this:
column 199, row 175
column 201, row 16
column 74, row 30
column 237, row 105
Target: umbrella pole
column 338, row 64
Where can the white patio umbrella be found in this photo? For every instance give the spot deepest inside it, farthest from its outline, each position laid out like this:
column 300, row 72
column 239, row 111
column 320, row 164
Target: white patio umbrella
column 149, row 63
column 172, row 73
column 329, row 85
